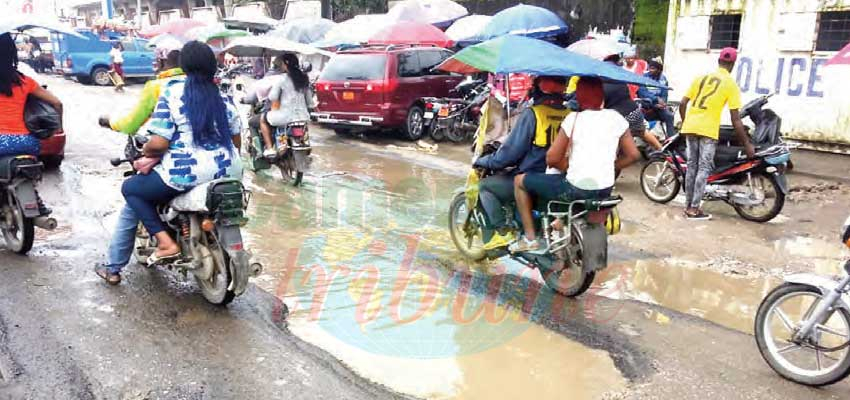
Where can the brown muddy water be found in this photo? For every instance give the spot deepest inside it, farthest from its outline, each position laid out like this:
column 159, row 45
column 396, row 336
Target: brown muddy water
column 362, row 258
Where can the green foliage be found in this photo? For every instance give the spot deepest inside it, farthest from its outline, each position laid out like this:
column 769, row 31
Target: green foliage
column 650, row 26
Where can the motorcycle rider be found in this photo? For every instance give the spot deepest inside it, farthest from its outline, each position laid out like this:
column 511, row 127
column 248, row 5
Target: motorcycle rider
column 618, row 98
column 260, row 90
column 124, row 236
column 657, row 96
column 524, row 151
column 585, row 154
column 711, row 93
column 291, row 100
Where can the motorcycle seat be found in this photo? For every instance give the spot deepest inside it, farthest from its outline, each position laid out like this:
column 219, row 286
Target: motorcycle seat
column 11, row 165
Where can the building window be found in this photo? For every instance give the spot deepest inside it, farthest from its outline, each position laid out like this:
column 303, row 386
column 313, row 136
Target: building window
column 833, row 30
column 725, row 30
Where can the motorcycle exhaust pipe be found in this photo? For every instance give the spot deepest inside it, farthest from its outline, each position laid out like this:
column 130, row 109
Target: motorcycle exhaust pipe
column 45, row 223
column 256, row 269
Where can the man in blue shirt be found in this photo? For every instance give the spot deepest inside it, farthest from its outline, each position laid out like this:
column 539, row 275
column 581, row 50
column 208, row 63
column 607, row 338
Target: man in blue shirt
column 524, row 151
column 657, row 97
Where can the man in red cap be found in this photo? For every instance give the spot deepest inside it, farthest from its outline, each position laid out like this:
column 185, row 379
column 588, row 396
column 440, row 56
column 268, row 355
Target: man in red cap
column 710, row 94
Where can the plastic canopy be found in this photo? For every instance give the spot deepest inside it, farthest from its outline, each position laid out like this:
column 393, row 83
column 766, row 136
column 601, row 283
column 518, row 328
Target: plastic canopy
column 519, row 54
column 178, row 27
column 268, row 45
column 436, row 12
column 24, row 22
column 468, row 27
column 304, row 30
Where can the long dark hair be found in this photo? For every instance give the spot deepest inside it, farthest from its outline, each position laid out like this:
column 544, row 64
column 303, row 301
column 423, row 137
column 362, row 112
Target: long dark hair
column 9, row 75
column 293, row 68
column 205, row 107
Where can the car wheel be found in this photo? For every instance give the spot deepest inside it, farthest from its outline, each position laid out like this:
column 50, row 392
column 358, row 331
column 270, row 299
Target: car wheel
column 414, row 127
column 100, row 76
column 52, row 162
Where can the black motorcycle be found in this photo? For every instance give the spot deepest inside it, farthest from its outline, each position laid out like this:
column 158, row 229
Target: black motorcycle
column 456, row 119
column 206, row 222
column 293, row 143
column 19, row 205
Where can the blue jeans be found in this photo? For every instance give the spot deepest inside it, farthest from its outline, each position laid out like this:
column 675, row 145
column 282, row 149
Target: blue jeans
column 495, row 192
column 13, row 145
column 549, row 187
column 143, row 193
column 123, row 240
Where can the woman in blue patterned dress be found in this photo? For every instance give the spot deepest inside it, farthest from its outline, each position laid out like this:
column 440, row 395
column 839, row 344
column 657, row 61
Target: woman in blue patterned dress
column 195, row 129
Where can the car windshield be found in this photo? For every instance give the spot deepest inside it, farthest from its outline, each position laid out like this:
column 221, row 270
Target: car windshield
column 355, row 67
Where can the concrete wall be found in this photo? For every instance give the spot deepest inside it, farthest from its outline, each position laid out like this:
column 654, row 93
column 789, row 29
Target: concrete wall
column 776, row 54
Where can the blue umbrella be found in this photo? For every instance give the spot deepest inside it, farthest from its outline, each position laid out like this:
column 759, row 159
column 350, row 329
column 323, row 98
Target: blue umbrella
column 518, row 54
column 532, row 21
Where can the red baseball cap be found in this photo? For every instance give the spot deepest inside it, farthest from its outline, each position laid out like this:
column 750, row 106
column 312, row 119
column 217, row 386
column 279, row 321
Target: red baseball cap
column 728, row 54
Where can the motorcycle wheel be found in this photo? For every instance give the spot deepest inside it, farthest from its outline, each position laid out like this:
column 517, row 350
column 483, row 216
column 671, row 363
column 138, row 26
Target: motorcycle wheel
column 465, row 236
column 215, row 289
column 455, row 134
column 767, row 183
column 802, row 363
column 572, row 280
column 20, row 230
column 658, row 181
column 438, row 134
column 288, row 171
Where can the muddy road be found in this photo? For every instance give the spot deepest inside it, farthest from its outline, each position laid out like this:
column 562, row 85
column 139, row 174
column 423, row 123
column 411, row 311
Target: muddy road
column 363, row 295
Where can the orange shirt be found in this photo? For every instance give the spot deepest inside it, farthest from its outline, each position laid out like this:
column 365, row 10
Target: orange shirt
column 12, row 108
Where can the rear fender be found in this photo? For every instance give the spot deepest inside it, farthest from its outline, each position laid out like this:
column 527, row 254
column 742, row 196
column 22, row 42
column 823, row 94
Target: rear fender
column 781, row 181
column 594, row 243
column 300, row 157
column 823, row 284
column 24, row 192
column 230, row 239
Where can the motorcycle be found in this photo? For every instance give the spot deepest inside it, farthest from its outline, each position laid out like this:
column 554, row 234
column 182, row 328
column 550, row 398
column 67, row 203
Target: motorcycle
column 294, row 148
column 206, row 221
column 457, row 118
column 19, row 209
column 755, row 188
column 802, row 327
column 653, row 126
column 225, row 76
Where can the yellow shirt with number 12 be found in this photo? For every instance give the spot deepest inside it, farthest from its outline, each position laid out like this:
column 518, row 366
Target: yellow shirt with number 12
column 709, row 94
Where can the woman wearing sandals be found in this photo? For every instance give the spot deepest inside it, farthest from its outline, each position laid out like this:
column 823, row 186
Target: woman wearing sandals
column 194, row 140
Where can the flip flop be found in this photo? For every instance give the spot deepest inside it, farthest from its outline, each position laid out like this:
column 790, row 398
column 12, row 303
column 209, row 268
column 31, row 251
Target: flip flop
column 153, row 259
column 104, row 273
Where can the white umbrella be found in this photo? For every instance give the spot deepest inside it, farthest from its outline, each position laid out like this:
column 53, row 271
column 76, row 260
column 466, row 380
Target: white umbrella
column 253, row 23
column 596, row 48
column 304, row 30
column 468, row 27
column 436, row 12
column 354, row 31
column 167, row 42
column 267, row 45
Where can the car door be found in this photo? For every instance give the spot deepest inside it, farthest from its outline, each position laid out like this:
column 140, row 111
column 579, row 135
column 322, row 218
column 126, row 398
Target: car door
column 439, row 84
column 412, row 84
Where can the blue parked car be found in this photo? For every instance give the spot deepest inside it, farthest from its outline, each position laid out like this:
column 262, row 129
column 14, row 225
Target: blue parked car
column 88, row 59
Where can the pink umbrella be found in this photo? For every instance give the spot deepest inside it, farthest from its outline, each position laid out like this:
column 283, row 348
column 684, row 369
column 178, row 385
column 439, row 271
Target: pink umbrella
column 411, row 33
column 843, row 57
column 178, row 27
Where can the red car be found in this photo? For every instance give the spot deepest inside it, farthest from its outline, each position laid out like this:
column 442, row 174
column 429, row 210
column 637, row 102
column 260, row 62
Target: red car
column 53, row 150
column 381, row 88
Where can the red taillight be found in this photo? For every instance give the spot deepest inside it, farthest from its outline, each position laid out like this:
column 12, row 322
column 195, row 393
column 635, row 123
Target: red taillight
column 429, row 106
column 323, row 87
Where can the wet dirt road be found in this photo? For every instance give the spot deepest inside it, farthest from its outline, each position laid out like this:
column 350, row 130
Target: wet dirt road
column 362, row 260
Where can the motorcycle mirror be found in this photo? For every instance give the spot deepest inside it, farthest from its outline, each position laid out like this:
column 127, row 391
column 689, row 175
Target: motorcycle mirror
column 306, row 66
column 116, row 162
column 140, row 139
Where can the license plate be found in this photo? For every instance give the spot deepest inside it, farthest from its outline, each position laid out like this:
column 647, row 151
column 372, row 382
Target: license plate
column 444, row 112
column 348, row 95
column 429, row 115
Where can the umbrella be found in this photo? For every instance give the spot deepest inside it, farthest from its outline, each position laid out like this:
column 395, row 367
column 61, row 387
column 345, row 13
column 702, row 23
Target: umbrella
column 524, row 20
column 436, row 12
column 178, row 27
column 354, row 31
column 596, row 48
column 843, row 57
column 218, row 31
column 167, row 42
column 518, row 54
column 257, row 23
column 468, row 27
column 304, row 30
column 24, row 22
column 268, row 45
column 411, row 33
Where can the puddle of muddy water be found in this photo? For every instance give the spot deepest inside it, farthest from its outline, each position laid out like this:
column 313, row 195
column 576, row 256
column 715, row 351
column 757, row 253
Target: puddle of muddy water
column 355, row 258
